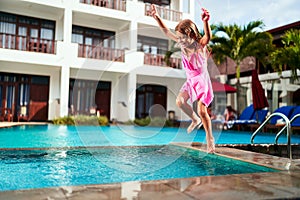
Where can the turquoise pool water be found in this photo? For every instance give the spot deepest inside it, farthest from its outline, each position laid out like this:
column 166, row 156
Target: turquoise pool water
column 39, row 156
column 70, row 136
column 25, row 169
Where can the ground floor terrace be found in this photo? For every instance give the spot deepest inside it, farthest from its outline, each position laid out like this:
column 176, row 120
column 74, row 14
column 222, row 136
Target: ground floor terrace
column 35, row 91
column 39, row 92
column 29, row 94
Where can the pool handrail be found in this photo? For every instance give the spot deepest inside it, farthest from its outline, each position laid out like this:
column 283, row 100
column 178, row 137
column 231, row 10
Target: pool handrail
column 281, row 131
column 287, row 127
column 296, row 116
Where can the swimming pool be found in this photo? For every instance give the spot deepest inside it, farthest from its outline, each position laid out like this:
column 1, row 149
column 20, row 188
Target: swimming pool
column 37, row 136
column 41, row 168
column 39, row 156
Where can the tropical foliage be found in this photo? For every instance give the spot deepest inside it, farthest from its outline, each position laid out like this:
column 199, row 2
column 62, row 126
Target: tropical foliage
column 81, row 120
column 155, row 122
column 174, row 48
column 239, row 42
column 289, row 54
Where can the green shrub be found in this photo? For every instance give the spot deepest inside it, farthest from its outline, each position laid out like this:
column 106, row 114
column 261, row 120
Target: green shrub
column 142, row 121
column 103, row 121
column 155, row 121
column 86, row 120
column 129, row 122
column 67, row 120
column 81, row 120
column 158, row 122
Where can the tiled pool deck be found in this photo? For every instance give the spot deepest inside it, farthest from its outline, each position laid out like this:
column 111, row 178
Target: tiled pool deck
column 276, row 185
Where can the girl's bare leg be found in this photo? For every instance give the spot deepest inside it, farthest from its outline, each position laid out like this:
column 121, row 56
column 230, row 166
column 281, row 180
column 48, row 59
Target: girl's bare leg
column 202, row 111
column 181, row 102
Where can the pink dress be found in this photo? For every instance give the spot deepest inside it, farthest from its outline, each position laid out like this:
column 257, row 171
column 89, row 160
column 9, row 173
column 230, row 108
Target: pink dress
column 198, row 84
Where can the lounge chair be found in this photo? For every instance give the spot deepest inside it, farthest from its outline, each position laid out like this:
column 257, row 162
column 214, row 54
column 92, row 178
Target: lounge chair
column 259, row 117
column 6, row 114
column 249, row 117
column 22, row 114
column 277, row 122
column 295, row 120
column 246, row 117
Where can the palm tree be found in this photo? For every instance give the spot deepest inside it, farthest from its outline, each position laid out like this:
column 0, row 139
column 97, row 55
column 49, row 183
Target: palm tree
column 174, row 48
column 289, row 54
column 237, row 42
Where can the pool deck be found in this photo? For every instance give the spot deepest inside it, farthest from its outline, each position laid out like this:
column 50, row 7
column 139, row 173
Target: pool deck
column 10, row 124
column 284, row 184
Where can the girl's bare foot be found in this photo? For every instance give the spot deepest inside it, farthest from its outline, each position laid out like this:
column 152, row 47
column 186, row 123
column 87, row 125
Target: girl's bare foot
column 211, row 145
column 193, row 125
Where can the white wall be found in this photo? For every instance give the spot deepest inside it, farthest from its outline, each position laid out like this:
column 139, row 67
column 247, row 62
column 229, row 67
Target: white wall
column 65, row 63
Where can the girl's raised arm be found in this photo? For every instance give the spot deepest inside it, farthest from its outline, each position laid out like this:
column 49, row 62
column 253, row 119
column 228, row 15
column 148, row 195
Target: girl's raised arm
column 207, row 31
column 162, row 25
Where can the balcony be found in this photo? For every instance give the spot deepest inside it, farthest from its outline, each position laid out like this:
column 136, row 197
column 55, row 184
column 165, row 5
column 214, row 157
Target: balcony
column 164, row 13
column 159, row 60
column 111, row 4
column 26, row 43
column 101, row 53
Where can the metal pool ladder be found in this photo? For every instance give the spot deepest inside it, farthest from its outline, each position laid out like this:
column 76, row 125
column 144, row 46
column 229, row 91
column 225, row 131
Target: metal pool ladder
column 287, row 127
column 281, row 131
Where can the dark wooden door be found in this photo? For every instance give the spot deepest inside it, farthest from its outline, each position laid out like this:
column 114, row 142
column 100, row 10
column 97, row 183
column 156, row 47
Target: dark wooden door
column 149, row 96
column 38, row 105
column 102, row 99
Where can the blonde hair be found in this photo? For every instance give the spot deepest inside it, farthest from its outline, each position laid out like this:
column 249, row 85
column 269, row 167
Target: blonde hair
column 189, row 28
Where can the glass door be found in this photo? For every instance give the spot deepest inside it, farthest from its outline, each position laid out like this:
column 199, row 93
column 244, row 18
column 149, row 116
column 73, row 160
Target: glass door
column 22, row 38
column 89, row 47
column 47, row 36
column 8, row 88
column 34, row 42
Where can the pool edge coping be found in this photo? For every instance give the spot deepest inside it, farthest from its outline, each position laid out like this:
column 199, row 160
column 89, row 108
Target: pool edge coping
column 270, row 161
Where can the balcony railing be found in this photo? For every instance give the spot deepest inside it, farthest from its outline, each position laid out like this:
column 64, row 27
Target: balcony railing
column 112, row 4
column 159, row 60
column 26, row 43
column 101, row 53
column 164, row 13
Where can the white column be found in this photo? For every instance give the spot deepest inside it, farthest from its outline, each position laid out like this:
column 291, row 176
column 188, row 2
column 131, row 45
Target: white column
column 192, row 9
column 67, row 24
column 64, row 90
column 54, row 95
column 131, row 94
column 133, row 35
column 66, row 53
column 181, row 2
column 275, row 97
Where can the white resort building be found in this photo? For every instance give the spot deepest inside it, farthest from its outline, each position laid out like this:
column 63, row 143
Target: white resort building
column 104, row 57
column 64, row 57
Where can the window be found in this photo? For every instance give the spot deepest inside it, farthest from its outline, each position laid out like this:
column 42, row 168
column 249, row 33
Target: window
column 93, row 37
column 86, row 94
column 40, row 28
column 26, row 33
column 18, row 90
column 148, row 96
column 152, row 45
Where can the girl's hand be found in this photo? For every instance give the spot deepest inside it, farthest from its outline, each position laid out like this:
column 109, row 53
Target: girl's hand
column 153, row 11
column 205, row 15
